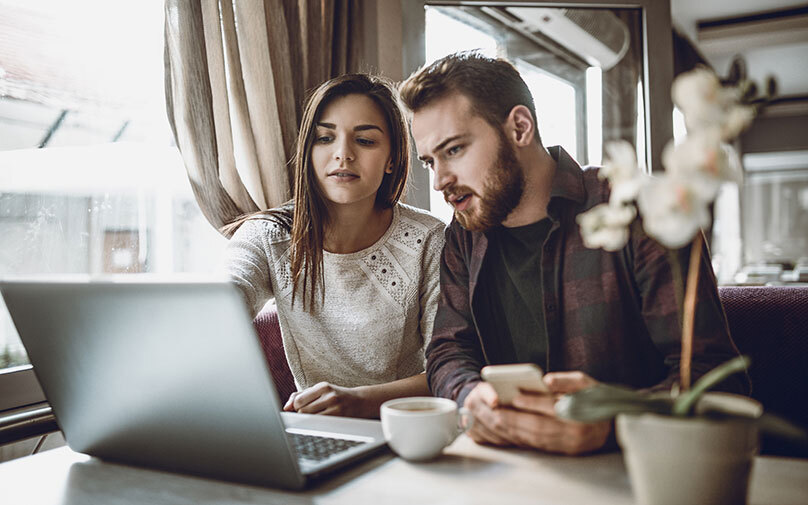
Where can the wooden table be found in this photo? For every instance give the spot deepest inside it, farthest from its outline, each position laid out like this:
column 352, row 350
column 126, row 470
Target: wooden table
column 466, row 474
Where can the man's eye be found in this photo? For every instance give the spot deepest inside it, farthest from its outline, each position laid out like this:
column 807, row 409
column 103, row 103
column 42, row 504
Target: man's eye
column 454, row 150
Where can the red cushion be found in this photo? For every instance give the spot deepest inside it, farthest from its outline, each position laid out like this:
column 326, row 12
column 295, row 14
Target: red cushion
column 269, row 332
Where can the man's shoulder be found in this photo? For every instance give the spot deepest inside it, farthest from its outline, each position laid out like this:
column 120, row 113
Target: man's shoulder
column 596, row 187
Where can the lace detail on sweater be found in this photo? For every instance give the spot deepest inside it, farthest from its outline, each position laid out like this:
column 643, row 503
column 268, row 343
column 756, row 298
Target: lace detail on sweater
column 388, row 274
column 409, row 235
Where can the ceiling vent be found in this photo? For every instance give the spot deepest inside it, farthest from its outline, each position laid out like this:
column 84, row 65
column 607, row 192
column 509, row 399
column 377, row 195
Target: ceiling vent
column 597, row 36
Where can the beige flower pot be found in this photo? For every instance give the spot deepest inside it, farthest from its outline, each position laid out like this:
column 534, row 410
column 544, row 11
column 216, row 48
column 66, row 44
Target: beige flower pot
column 691, row 460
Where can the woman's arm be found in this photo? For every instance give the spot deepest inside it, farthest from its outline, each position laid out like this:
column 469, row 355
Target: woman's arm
column 362, row 401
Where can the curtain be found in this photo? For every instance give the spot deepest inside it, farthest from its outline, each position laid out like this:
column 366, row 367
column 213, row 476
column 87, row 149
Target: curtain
column 236, row 75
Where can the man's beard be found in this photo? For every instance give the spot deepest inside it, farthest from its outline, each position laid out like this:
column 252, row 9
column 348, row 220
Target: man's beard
column 502, row 192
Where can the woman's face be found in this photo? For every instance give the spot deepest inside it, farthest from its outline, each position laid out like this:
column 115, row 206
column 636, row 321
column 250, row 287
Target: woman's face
column 351, row 150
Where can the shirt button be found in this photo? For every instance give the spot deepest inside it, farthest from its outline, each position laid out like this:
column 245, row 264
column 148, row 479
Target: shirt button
column 373, row 257
column 393, row 283
column 384, row 270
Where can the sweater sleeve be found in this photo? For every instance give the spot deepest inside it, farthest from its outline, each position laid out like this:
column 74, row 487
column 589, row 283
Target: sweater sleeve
column 247, row 264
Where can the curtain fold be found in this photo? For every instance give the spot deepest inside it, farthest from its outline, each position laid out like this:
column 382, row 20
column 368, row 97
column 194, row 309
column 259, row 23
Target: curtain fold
column 236, row 76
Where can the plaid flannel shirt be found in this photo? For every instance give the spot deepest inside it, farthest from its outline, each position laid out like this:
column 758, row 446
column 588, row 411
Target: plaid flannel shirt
column 612, row 315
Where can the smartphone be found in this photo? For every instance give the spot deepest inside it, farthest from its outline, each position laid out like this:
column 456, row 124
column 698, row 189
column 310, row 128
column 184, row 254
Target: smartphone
column 509, row 380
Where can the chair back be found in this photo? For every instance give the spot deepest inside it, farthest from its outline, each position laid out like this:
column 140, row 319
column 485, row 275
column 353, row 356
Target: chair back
column 268, row 328
column 770, row 325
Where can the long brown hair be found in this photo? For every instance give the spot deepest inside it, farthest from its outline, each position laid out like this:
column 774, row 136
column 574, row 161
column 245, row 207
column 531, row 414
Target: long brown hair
column 310, row 215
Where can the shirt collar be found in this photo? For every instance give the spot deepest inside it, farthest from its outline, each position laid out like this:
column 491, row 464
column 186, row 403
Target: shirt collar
column 568, row 181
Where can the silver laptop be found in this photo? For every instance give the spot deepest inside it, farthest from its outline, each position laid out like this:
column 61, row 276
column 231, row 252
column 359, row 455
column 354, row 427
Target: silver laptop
column 171, row 375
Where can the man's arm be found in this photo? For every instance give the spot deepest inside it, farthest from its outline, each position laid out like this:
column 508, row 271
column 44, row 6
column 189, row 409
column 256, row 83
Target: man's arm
column 454, row 356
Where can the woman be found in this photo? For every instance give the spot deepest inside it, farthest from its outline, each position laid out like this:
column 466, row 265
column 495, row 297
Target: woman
column 353, row 271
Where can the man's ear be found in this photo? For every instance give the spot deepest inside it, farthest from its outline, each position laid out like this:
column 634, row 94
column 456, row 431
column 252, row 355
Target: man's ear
column 520, row 126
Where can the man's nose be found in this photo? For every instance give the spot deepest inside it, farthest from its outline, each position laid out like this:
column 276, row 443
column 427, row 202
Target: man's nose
column 442, row 177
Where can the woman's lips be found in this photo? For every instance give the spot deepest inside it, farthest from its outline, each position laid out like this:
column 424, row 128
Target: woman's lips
column 343, row 176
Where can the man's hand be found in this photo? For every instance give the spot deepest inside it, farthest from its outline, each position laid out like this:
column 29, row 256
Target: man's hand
column 328, row 399
column 531, row 422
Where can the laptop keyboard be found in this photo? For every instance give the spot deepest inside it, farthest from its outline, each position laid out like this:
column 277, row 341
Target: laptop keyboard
column 316, row 448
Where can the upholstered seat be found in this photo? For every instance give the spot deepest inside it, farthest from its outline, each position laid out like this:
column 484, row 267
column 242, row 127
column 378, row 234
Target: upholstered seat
column 269, row 332
column 770, row 325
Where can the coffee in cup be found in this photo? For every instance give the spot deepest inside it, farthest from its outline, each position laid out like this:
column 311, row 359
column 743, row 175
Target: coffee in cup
column 419, row 427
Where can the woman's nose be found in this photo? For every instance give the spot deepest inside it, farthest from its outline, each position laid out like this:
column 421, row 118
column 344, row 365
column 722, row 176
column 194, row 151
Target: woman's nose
column 344, row 151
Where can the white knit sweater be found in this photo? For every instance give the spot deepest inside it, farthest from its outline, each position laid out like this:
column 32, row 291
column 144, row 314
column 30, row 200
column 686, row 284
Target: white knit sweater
column 379, row 306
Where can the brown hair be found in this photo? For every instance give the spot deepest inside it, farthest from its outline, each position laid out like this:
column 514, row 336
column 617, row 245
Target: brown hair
column 310, row 215
column 493, row 85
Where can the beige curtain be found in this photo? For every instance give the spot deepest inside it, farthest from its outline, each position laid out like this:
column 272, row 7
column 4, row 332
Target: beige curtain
column 237, row 73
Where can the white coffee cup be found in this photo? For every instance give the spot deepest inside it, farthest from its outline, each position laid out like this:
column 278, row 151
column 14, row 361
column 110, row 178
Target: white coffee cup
column 419, row 427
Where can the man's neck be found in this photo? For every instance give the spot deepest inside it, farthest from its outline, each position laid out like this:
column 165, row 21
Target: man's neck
column 352, row 228
column 539, row 170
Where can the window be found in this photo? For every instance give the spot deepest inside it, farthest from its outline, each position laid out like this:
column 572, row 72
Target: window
column 90, row 179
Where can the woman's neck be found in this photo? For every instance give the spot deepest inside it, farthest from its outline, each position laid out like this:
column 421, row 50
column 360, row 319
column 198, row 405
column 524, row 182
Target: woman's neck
column 352, row 228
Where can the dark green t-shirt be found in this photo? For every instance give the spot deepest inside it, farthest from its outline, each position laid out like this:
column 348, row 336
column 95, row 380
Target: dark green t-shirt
column 512, row 299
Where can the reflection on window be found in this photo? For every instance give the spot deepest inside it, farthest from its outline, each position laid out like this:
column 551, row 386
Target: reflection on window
column 90, row 181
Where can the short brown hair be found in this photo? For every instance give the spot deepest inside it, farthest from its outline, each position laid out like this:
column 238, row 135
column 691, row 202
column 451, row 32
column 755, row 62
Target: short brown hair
column 493, row 85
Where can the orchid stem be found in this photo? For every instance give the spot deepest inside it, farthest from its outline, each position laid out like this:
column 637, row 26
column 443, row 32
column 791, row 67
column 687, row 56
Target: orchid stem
column 690, row 312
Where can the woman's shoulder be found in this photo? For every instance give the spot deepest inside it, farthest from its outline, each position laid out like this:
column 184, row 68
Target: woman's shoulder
column 274, row 225
column 422, row 217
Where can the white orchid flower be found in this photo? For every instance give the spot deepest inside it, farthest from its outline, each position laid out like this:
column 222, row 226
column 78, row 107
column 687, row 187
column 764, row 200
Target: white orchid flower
column 606, row 226
column 620, row 163
column 737, row 119
column 706, row 104
column 673, row 209
column 705, row 160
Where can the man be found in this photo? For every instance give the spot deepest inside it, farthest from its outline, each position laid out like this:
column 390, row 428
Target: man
column 517, row 283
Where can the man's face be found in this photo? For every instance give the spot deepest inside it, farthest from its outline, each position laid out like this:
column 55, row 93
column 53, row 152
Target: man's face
column 474, row 164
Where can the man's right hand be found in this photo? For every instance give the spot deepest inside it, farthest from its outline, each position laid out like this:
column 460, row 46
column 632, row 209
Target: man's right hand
column 483, row 403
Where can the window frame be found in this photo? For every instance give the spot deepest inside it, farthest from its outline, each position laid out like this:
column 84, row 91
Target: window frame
column 19, row 388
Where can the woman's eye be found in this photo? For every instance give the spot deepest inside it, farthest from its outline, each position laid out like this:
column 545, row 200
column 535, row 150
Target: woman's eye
column 324, row 139
column 365, row 142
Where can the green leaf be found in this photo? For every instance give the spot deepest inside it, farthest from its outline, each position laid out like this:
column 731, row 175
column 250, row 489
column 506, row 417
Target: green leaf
column 603, row 402
column 684, row 403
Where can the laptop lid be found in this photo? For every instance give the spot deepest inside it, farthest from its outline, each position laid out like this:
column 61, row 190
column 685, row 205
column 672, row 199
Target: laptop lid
column 160, row 374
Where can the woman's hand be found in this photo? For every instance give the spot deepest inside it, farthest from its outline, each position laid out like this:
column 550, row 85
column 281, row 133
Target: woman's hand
column 331, row 400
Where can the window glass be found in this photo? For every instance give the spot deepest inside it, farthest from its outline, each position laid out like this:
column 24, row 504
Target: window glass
column 90, row 179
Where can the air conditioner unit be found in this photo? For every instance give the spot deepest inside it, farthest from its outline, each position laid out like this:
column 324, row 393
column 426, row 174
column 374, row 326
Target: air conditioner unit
column 597, row 36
